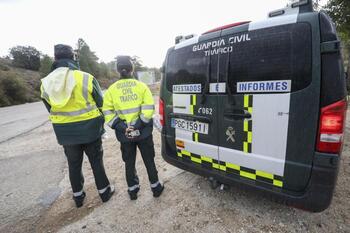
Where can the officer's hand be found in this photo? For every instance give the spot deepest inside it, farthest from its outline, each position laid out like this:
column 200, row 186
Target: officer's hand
column 128, row 131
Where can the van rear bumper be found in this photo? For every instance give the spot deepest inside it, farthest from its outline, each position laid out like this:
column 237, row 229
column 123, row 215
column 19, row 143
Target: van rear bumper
column 316, row 197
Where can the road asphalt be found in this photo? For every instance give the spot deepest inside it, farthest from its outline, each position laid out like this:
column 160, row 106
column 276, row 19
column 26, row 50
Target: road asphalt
column 31, row 166
column 19, row 119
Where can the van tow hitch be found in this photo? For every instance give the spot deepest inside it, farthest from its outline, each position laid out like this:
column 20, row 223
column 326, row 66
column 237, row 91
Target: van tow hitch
column 214, row 184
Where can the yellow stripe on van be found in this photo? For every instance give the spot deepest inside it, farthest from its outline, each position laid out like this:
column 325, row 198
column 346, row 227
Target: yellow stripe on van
column 256, row 175
column 250, row 110
column 207, row 159
column 245, row 147
column 246, row 101
column 247, row 175
column 264, row 174
column 194, row 100
column 233, row 166
column 196, row 137
column 196, row 160
column 192, row 109
column 245, row 126
column 250, row 137
column 185, row 152
column 278, row 183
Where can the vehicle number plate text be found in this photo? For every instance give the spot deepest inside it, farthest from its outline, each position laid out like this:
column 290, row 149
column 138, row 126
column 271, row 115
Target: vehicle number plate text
column 193, row 126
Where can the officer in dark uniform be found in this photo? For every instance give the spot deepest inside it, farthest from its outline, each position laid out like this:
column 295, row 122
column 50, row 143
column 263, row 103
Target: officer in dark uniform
column 74, row 99
column 128, row 108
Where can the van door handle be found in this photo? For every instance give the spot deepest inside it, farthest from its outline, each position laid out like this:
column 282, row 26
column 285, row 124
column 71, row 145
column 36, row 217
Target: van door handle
column 237, row 113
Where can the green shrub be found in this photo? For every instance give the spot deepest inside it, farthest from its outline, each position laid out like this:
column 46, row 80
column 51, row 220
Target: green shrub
column 45, row 65
column 12, row 89
column 4, row 67
column 4, row 101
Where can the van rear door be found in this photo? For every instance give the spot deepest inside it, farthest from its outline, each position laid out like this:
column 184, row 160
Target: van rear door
column 192, row 121
column 268, row 122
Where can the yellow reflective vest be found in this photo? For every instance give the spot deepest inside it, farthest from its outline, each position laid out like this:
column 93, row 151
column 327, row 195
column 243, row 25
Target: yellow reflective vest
column 128, row 100
column 69, row 93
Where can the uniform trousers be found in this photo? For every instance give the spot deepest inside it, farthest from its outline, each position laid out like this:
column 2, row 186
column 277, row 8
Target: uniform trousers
column 146, row 147
column 75, row 155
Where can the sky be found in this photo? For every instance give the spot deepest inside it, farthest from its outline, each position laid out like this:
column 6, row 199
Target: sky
column 113, row 27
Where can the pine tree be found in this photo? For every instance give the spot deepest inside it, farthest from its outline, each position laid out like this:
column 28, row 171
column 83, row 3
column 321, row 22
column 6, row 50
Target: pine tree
column 87, row 59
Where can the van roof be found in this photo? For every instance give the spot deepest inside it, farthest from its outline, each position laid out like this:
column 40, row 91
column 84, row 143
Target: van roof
column 287, row 15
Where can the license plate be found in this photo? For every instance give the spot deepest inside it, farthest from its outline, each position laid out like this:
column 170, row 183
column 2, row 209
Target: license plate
column 193, row 126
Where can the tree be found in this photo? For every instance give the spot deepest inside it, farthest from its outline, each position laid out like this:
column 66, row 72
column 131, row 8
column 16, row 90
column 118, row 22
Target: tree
column 315, row 3
column 87, row 59
column 45, row 65
column 88, row 62
column 339, row 11
column 26, row 57
column 137, row 63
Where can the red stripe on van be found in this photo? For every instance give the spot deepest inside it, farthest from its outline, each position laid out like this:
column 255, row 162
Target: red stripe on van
column 226, row 26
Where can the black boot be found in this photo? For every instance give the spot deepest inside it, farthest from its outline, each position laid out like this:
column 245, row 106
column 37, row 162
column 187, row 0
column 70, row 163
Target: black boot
column 133, row 193
column 79, row 200
column 157, row 191
column 107, row 194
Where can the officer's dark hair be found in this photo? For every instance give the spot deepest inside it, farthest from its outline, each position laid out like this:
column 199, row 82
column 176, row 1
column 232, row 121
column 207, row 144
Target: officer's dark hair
column 64, row 57
column 63, row 51
column 124, row 65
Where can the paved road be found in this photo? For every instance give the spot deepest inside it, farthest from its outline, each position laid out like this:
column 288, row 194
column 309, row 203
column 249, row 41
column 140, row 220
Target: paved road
column 31, row 166
column 16, row 120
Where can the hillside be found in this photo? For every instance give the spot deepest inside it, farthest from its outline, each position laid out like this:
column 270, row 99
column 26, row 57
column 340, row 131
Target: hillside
column 17, row 85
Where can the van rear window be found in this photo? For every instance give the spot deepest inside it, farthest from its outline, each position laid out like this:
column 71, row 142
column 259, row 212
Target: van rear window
column 277, row 53
column 186, row 67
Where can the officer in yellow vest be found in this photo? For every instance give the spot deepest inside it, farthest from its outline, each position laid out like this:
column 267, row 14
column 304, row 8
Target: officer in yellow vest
column 128, row 108
column 73, row 99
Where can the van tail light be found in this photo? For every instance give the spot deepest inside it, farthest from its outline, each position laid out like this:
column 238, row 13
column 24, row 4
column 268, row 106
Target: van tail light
column 331, row 128
column 161, row 111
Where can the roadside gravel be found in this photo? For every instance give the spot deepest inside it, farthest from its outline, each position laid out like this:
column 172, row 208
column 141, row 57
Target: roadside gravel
column 189, row 204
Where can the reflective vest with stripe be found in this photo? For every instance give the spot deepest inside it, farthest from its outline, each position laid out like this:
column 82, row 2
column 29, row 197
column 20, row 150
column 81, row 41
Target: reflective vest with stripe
column 128, row 100
column 81, row 105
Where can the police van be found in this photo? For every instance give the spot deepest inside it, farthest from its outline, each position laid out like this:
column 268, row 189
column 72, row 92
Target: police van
column 259, row 104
